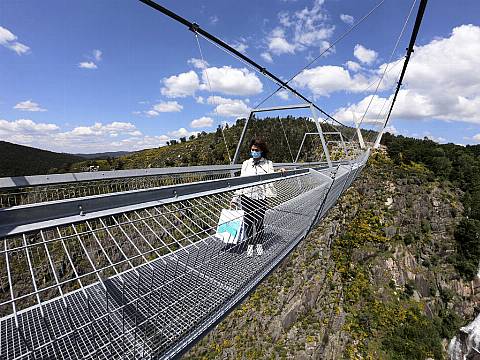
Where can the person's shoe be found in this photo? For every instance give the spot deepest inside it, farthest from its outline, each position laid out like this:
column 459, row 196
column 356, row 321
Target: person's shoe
column 259, row 249
column 250, row 251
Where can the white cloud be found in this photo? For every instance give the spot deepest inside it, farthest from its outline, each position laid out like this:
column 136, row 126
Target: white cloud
column 97, row 55
column 6, row 36
column 364, row 55
column 88, row 139
column 476, row 137
column 24, row 126
column 87, row 65
column 168, row 106
column 202, row 122
column 300, row 30
column 240, row 46
column 392, row 130
column 182, row 85
column 7, row 39
column 231, row 81
column 283, row 94
column 347, row 19
column 214, row 19
column 277, row 44
column 182, row 132
column 442, row 80
column 267, row 57
column 93, row 60
column 323, row 80
column 151, row 113
column 348, row 113
column 28, row 105
column 229, row 107
column 163, row 107
column 353, row 66
column 198, row 63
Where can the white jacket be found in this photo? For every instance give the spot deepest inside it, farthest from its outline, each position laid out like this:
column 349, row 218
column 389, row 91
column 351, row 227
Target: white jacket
column 259, row 192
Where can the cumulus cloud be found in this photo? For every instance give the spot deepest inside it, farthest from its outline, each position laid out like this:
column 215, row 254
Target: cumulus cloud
column 442, row 80
column 28, row 105
column 323, row 80
column 375, row 114
column 198, row 63
column 97, row 55
column 347, row 19
column 93, row 138
column 168, row 106
column 229, row 107
column 162, row 107
column 476, row 137
column 8, row 39
column 182, row 132
column 267, row 57
column 181, row 85
column 240, row 45
column 364, row 55
column 93, row 59
column 25, row 126
column 300, row 30
column 202, row 122
column 87, row 65
column 283, row 94
column 231, row 81
column 278, row 44
column 353, row 66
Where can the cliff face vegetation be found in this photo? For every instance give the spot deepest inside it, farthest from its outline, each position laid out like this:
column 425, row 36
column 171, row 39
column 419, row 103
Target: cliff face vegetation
column 378, row 279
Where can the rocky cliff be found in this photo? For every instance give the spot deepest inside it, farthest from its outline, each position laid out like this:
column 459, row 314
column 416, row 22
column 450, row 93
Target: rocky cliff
column 375, row 280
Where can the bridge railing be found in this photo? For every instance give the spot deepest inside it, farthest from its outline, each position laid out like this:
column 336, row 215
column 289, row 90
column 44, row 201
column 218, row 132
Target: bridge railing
column 23, row 190
column 140, row 274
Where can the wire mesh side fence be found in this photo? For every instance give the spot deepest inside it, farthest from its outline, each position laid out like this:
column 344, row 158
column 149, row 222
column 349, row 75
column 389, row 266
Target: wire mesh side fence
column 41, row 193
column 135, row 284
column 44, row 188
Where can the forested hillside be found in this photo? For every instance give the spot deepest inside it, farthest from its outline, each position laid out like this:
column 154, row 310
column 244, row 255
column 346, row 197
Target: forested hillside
column 283, row 137
column 459, row 166
column 19, row 160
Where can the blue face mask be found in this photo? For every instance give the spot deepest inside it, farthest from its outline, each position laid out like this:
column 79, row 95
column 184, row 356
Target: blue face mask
column 256, row 154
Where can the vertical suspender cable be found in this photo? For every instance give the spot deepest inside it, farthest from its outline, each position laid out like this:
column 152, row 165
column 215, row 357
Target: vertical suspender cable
column 213, row 97
column 389, row 61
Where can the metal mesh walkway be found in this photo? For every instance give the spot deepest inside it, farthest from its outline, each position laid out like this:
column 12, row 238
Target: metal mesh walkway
column 145, row 281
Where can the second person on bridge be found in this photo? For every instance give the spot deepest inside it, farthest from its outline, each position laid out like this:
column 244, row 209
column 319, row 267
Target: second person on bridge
column 253, row 200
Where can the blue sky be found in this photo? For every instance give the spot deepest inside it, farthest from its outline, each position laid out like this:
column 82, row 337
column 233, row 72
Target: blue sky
column 101, row 75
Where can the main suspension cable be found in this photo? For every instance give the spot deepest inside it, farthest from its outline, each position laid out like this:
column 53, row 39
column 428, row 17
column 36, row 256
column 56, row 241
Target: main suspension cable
column 196, row 28
column 413, row 38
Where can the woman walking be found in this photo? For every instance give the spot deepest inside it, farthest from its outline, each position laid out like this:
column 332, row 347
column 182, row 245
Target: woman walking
column 253, row 200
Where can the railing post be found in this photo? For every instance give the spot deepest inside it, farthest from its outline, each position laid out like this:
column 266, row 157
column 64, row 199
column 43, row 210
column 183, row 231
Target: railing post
column 322, row 138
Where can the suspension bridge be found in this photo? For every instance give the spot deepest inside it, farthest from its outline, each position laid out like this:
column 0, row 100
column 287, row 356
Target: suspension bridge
column 126, row 264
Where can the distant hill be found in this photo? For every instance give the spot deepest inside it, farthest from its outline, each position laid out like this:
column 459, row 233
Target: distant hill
column 19, row 160
column 211, row 148
column 104, row 155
